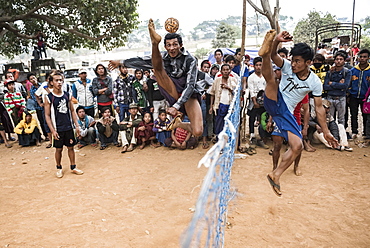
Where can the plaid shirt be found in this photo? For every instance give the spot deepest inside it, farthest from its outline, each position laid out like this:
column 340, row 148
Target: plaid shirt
column 123, row 90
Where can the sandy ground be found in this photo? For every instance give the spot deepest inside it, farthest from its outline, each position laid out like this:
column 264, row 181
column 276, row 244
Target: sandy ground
column 142, row 199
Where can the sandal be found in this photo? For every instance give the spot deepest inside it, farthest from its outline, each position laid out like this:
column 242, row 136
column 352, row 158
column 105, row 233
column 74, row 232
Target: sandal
column 205, row 145
column 130, row 148
column 94, row 145
column 79, row 146
column 124, row 149
column 249, row 151
column 49, row 146
column 9, row 145
column 102, row 147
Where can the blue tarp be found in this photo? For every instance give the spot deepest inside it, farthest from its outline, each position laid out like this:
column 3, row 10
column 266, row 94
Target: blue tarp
column 252, row 52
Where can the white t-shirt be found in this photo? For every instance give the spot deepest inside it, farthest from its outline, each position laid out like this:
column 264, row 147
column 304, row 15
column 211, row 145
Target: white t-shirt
column 225, row 97
column 256, row 84
column 293, row 89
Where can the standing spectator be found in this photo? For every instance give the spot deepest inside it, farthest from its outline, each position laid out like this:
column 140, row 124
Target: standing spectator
column 27, row 130
column 336, row 84
column 82, row 91
column 128, row 126
column 12, row 76
column 238, row 59
column 357, row 89
column 39, row 107
column 205, row 66
column 107, row 129
column 355, row 51
column 123, row 92
column 256, row 84
column 87, row 128
column 218, row 54
column 140, row 86
column 283, row 52
column 59, row 114
column 222, row 92
column 14, row 102
column 102, row 87
column 41, row 43
column 215, row 68
column 155, row 98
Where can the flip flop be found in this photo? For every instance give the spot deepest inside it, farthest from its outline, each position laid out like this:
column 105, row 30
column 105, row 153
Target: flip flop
column 249, row 151
column 205, row 145
column 275, row 187
column 170, row 126
column 49, row 146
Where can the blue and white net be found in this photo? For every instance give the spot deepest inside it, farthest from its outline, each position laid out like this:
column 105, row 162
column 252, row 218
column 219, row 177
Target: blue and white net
column 207, row 226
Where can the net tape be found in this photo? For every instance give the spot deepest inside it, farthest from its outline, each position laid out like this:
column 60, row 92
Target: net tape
column 207, row 227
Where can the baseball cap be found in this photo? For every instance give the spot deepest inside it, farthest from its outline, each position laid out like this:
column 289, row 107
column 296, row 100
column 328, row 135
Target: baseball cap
column 132, row 105
column 215, row 65
column 82, row 70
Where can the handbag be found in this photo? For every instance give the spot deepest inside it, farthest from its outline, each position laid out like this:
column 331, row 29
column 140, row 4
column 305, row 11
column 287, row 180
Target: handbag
column 366, row 104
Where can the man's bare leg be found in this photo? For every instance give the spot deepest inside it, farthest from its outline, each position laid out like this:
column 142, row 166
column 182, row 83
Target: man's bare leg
column 278, row 142
column 295, row 149
column 162, row 78
column 194, row 112
column 271, row 90
column 297, row 171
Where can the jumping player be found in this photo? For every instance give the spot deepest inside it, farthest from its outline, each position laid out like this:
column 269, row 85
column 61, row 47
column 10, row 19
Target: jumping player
column 58, row 113
column 281, row 98
column 176, row 73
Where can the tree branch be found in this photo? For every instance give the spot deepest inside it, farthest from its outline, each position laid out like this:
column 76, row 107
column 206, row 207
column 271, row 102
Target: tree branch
column 69, row 30
column 17, row 33
column 255, row 7
column 32, row 11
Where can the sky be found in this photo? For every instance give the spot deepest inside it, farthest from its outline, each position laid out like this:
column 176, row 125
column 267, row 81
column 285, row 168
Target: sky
column 192, row 12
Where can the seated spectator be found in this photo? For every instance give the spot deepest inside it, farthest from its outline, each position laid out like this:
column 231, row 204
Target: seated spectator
column 181, row 139
column 107, row 129
column 27, row 130
column 340, row 135
column 128, row 126
column 160, row 127
column 144, row 132
column 87, row 128
column 14, row 102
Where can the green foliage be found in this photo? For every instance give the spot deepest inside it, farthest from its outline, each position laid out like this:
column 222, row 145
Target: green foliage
column 366, row 25
column 306, row 28
column 225, row 36
column 66, row 24
column 365, row 42
column 200, row 53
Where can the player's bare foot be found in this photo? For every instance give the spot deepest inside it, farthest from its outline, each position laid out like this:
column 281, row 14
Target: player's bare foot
column 267, row 43
column 155, row 38
column 297, row 171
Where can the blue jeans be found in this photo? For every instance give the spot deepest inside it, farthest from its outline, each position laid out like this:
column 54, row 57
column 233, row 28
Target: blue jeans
column 123, row 111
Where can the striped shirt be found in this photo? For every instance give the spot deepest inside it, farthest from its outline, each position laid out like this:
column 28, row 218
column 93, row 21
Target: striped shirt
column 12, row 100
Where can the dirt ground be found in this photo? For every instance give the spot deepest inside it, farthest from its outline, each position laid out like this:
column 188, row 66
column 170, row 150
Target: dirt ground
column 142, row 199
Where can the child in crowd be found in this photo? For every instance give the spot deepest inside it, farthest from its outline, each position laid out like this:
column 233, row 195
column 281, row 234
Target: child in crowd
column 128, row 126
column 181, row 139
column 27, row 130
column 160, row 127
column 144, row 132
column 59, row 114
column 107, row 128
column 87, row 128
